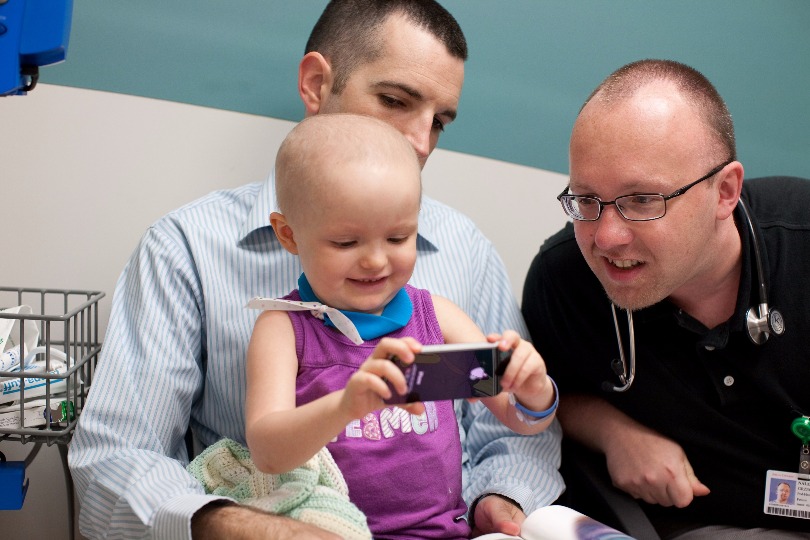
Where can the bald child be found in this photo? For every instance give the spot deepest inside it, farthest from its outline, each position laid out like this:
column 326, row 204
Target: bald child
column 348, row 190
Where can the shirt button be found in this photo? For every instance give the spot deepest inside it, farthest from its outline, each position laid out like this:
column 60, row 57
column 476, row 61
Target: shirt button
column 728, row 380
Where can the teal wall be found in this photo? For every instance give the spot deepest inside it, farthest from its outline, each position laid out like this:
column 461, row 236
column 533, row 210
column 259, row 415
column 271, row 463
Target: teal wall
column 531, row 65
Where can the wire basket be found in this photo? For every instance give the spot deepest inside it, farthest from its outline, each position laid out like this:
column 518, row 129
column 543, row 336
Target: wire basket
column 43, row 406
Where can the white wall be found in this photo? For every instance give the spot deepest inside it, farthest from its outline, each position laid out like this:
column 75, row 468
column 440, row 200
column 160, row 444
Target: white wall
column 83, row 173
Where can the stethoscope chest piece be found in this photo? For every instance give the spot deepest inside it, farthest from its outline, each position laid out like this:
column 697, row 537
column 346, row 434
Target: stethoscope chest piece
column 761, row 325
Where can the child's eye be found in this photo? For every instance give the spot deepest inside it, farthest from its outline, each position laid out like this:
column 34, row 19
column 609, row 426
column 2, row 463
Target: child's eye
column 398, row 240
column 346, row 244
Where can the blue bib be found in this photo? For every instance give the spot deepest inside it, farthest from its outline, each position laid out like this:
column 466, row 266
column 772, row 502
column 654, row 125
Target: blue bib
column 394, row 316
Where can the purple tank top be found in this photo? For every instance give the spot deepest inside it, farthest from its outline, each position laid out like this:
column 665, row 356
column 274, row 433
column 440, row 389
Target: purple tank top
column 403, row 471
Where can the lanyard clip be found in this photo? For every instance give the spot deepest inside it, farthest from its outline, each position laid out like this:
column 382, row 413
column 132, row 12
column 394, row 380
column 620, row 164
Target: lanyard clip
column 801, row 428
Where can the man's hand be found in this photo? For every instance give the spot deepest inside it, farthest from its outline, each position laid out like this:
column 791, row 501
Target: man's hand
column 641, row 461
column 234, row 522
column 653, row 468
column 494, row 513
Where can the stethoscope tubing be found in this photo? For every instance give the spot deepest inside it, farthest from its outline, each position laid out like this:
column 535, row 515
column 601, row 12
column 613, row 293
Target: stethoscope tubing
column 759, row 326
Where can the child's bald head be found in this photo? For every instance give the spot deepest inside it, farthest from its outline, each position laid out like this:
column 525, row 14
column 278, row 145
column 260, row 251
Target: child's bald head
column 321, row 159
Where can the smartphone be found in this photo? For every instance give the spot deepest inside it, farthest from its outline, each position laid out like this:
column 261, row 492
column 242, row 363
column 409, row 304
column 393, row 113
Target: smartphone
column 452, row 371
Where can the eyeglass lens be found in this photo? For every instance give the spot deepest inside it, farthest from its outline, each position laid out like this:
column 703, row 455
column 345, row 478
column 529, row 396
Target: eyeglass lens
column 633, row 207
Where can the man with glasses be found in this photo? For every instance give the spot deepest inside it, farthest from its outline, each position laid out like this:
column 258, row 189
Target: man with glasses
column 659, row 230
column 635, row 207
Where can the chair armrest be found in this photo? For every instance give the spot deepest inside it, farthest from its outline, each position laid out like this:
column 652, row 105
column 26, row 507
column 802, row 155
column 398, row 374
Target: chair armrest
column 590, row 490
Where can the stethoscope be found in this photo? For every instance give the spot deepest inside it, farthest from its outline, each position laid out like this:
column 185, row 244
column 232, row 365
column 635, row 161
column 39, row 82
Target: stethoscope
column 760, row 323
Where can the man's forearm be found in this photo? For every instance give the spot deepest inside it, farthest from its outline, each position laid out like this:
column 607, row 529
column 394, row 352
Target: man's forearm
column 592, row 421
column 523, row 469
column 235, row 522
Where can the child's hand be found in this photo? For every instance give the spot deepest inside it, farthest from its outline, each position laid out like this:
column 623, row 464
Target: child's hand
column 367, row 388
column 525, row 375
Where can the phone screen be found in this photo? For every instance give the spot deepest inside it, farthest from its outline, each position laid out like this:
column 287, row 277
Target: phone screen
column 453, row 371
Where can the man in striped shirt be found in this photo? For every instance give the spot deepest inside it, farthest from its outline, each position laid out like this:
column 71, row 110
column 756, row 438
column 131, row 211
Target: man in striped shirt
column 175, row 346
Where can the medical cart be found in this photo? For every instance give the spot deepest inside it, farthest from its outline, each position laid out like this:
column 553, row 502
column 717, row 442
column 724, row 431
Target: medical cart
column 44, row 394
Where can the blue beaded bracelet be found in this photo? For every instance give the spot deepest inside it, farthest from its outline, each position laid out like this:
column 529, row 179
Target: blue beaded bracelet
column 535, row 416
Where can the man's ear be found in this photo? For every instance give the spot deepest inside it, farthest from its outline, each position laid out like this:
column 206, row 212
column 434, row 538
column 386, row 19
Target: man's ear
column 729, row 187
column 314, row 81
column 283, row 232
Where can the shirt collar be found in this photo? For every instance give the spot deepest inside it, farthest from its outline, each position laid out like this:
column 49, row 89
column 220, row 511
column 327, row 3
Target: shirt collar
column 426, row 237
column 259, row 216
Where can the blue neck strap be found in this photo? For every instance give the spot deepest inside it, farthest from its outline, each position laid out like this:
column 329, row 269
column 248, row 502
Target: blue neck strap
column 394, row 316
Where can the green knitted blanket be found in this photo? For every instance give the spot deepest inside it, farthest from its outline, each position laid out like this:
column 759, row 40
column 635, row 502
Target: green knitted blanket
column 315, row 493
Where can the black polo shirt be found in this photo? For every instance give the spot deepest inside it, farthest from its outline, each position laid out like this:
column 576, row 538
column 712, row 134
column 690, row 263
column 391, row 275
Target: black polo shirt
column 727, row 402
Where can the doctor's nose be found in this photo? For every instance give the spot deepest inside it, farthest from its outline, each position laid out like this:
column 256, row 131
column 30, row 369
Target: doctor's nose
column 612, row 229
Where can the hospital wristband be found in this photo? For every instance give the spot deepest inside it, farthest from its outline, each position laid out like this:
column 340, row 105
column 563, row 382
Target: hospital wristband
column 530, row 417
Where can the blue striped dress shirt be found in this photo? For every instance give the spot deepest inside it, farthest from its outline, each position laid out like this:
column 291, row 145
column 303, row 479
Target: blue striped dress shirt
column 175, row 349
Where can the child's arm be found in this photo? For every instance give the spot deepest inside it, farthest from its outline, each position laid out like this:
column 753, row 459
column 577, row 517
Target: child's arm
column 280, row 435
column 525, row 376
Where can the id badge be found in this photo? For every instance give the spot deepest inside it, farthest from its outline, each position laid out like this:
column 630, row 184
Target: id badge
column 787, row 494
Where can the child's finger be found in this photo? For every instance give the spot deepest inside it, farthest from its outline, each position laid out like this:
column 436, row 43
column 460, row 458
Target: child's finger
column 386, row 370
column 415, row 408
column 403, row 349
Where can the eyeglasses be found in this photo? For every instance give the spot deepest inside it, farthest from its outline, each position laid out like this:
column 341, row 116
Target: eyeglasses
column 635, row 207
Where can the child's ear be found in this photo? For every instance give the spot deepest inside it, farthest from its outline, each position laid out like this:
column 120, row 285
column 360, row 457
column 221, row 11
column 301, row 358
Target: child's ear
column 283, row 232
